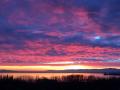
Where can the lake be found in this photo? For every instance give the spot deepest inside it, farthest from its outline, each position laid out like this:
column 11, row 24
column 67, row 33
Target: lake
column 50, row 75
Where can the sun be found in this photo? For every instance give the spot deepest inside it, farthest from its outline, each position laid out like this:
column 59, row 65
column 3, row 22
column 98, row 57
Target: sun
column 75, row 67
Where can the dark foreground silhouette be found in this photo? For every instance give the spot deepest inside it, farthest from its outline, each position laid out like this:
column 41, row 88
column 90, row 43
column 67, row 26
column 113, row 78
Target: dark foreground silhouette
column 71, row 82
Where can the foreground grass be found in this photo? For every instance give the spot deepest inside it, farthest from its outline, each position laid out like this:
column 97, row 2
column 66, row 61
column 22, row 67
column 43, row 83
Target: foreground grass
column 72, row 82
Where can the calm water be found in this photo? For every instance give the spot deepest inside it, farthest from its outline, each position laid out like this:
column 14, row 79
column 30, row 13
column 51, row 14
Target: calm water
column 50, row 75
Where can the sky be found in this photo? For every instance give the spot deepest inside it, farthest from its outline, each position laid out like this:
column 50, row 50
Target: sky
column 59, row 34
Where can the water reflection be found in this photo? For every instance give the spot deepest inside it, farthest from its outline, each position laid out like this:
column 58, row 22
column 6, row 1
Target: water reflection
column 51, row 75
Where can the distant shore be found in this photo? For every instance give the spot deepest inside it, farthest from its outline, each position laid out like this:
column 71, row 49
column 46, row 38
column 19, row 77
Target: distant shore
column 107, row 71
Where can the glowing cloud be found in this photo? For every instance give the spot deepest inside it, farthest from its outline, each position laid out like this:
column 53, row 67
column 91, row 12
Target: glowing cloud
column 58, row 33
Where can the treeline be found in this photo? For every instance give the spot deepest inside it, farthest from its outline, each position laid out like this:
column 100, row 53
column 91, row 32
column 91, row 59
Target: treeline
column 72, row 82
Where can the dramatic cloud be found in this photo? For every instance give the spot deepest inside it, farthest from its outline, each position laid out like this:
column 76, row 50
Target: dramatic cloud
column 60, row 32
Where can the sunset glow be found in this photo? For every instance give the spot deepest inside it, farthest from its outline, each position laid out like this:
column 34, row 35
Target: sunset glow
column 44, row 68
column 59, row 34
